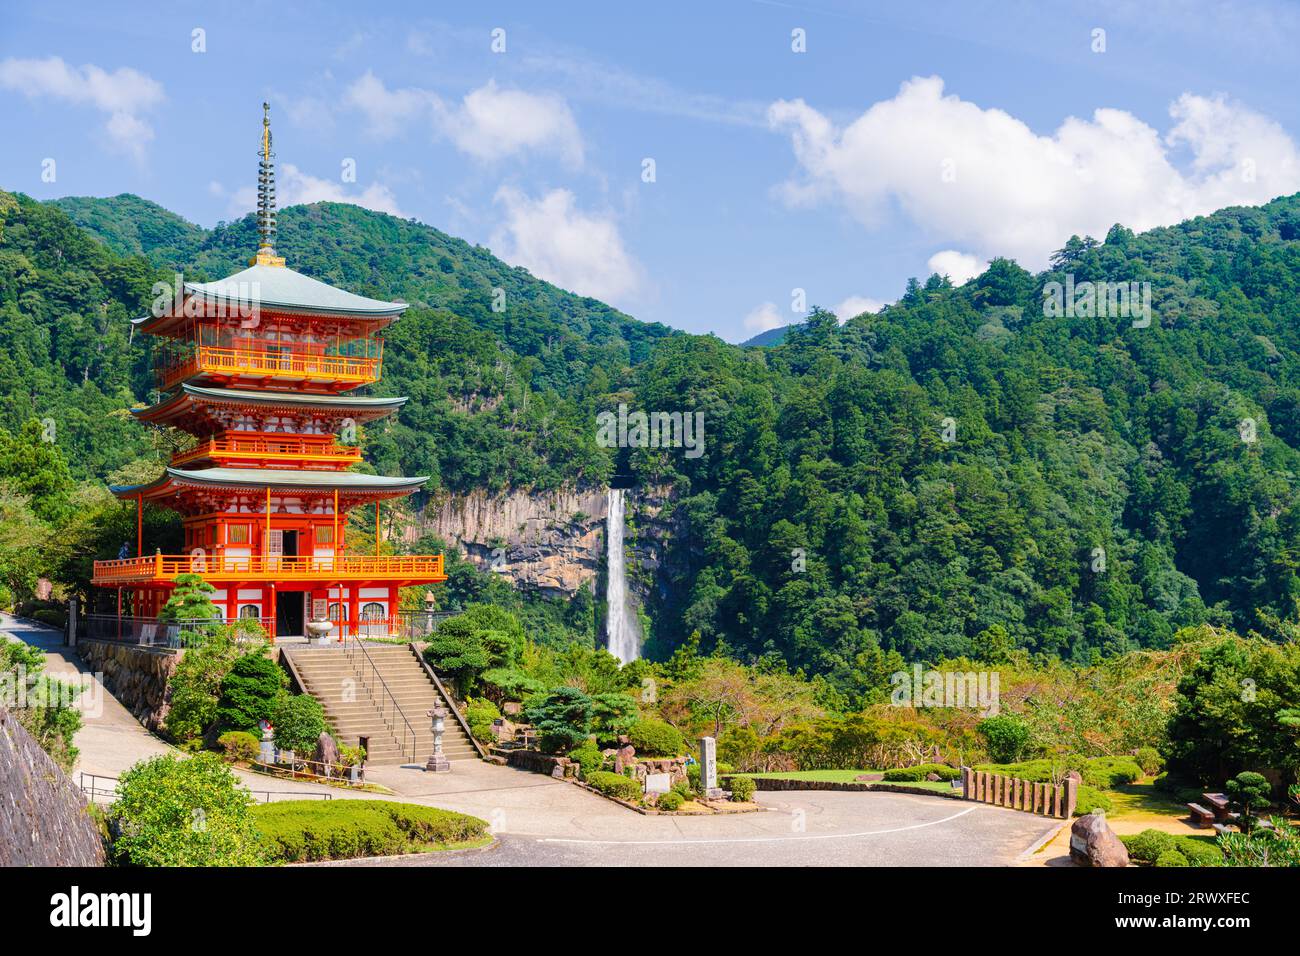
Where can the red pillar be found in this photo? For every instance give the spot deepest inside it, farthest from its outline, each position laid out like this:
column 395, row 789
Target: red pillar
column 353, row 622
column 269, row 594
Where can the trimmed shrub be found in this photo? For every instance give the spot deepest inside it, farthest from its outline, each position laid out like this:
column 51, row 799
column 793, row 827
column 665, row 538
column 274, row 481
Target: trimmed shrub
column 588, row 758
column 479, row 714
column 1089, row 799
column 1146, row 846
column 562, row 719
column 693, row 773
column 250, row 692
column 670, row 801
column 742, row 789
column 299, row 721
column 615, row 785
column 1171, row 858
column 1149, row 759
column 160, row 804
column 656, row 738
column 920, row 772
column 1200, row 851
column 1007, row 737
column 303, row 830
column 237, row 746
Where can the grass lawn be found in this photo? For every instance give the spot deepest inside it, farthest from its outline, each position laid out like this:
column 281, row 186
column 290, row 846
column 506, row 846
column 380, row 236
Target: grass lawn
column 1143, row 798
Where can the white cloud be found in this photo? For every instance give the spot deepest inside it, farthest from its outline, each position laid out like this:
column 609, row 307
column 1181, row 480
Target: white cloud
column 855, row 305
column 558, row 242
column 957, row 266
column 387, row 111
column 983, row 178
column 294, row 187
column 763, row 318
column 123, row 94
column 490, row 123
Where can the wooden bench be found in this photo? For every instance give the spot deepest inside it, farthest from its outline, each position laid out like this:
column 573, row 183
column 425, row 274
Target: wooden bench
column 1218, row 802
column 1201, row 816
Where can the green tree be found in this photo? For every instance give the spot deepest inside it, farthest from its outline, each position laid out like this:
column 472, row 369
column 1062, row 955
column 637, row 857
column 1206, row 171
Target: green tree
column 1006, row 737
column 250, row 692
column 299, row 720
column 562, row 719
column 1248, row 792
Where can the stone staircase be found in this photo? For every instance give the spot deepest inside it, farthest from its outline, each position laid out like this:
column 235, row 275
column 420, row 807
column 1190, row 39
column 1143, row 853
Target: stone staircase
column 353, row 701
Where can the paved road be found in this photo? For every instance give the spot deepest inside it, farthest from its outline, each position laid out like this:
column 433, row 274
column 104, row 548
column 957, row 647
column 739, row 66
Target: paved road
column 544, row 822
column 804, row 828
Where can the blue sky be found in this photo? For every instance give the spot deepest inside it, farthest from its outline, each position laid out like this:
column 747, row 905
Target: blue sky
column 905, row 138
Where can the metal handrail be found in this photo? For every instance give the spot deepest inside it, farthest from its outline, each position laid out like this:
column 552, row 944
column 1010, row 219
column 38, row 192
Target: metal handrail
column 407, row 728
column 94, row 790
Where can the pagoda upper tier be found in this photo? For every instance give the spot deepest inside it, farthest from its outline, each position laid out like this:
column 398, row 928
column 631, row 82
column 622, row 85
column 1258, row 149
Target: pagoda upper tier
column 267, row 327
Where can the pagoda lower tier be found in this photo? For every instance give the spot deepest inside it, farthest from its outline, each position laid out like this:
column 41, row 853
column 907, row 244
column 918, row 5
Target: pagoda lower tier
column 271, row 541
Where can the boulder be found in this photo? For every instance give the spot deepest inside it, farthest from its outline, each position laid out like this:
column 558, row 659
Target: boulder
column 327, row 752
column 1094, row 843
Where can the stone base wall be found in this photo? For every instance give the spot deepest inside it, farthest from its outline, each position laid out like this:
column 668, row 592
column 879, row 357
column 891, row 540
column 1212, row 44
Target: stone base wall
column 44, row 820
column 136, row 676
column 552, row 766
column 774, row 783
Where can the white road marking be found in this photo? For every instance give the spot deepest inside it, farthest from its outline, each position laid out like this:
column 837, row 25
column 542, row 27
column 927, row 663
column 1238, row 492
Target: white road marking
column 815, row 836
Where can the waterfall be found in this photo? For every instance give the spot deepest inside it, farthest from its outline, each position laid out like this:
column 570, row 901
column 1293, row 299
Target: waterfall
column 622, row 630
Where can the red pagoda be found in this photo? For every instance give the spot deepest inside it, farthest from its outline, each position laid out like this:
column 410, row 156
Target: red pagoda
column 260, row 367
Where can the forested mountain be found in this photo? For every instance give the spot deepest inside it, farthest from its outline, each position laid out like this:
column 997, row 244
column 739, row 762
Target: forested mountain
column 1104, row 485
column 959, row 472
column 498, row 396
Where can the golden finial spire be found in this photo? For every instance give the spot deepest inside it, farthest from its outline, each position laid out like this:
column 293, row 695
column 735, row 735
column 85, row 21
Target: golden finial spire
column 266, row 199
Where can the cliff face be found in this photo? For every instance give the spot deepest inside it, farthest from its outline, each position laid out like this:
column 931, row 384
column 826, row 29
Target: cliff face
column 553, row 542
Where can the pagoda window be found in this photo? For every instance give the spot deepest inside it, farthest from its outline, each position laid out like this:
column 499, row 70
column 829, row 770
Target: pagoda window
column 237, row 534
column 250, row 612
column 372, row 611
column 324, row 534
column 338, row 612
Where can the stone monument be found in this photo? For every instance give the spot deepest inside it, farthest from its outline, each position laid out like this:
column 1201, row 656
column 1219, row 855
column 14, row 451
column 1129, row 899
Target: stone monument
column 709, row 769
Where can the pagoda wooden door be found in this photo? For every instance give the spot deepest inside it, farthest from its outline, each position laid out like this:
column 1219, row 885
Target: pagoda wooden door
column 274, row 547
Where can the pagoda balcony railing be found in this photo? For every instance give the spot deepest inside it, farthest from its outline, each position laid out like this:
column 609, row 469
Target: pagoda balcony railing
column 256, row 363
column 288, row 449
column 158, row 568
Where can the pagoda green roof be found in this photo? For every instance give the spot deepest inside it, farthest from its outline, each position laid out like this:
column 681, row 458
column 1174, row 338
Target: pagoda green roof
column 278, row 287
column 275, row 478
column 271, row 397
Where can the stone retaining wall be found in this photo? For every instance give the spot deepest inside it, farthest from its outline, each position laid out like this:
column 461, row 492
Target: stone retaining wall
column 136, row 676
column 777, row 783
column 44, row 820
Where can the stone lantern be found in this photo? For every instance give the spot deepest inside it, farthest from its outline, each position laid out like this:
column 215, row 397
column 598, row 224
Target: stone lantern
column 438, row 762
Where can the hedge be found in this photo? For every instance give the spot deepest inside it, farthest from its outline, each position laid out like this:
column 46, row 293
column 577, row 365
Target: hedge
column 1150, row 846
column 614, row 785
column 1103, row 773
column 295, row 831
column 920, row 772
